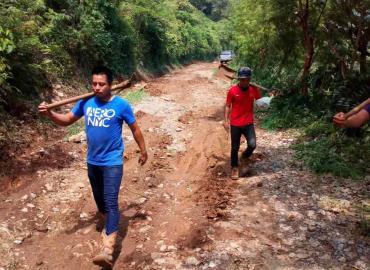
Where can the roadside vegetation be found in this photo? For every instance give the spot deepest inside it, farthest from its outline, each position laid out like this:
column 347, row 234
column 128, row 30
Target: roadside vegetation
column 51, row 43
column 316, row 54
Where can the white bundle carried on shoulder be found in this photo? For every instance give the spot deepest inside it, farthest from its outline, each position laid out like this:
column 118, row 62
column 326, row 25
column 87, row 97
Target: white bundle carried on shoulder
column 264, row 102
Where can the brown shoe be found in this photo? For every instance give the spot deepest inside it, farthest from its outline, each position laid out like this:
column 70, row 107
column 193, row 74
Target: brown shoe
column 234, row 173
column 105, row 258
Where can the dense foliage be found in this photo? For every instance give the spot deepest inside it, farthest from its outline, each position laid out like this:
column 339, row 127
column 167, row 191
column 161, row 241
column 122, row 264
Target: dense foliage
column 42, row 42
column 316, row 52
column 214, row 9
column 298, row 44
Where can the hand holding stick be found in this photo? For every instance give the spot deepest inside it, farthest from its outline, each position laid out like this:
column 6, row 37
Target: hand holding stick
column 342, row 119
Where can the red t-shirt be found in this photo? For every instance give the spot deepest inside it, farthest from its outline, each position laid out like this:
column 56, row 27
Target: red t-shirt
column 242, row 105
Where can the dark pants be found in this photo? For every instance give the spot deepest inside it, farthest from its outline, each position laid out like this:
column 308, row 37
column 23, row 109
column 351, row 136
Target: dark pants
column 236, row 133
column 105, row 183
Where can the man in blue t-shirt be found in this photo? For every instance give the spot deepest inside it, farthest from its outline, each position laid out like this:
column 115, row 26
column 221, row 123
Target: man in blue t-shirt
column 104, row 116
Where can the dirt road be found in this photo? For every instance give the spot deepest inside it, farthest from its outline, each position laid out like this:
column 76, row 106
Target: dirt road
column 181, row 211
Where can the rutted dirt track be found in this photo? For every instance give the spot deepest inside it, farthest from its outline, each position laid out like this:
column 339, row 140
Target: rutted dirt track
column 181, row 211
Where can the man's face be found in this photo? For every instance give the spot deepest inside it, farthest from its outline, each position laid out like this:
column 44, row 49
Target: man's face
column 100, row 85
column 244, row 83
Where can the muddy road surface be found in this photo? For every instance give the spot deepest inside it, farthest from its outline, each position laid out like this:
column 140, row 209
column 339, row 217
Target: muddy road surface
column 181, row 210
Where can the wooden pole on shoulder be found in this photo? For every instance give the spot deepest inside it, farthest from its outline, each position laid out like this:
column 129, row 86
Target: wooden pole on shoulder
column 120, row 86
column 357, row 108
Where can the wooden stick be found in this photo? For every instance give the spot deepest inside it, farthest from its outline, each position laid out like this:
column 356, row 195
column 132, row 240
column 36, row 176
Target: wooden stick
column 231, row 77
column 227, row 68
column 120, row 86
column 348, row 114
column 357, row 108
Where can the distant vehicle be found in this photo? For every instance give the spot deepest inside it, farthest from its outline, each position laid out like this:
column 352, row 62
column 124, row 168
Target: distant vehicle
column 226, row 56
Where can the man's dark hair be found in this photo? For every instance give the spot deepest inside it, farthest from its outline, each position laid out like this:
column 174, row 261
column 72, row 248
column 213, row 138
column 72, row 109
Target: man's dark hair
column 103, row 70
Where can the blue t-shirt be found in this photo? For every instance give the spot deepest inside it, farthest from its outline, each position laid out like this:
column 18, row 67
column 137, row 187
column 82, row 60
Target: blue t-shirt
column 103, row 126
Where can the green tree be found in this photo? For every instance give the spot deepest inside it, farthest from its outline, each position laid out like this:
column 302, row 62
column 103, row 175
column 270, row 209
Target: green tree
column 53, row 40
column 214, row 9
column 6, row 47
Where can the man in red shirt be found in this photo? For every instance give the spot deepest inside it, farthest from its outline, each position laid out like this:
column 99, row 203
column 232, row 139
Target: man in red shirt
column 239, row 117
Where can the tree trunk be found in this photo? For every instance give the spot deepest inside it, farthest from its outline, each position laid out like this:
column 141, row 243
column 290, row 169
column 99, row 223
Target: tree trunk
column 363, row 55
column 262, row 56
column 363, row 34
column 308, row 43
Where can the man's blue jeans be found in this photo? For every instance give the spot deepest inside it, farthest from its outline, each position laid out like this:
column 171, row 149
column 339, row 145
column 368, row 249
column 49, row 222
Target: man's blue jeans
column 105, row 183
